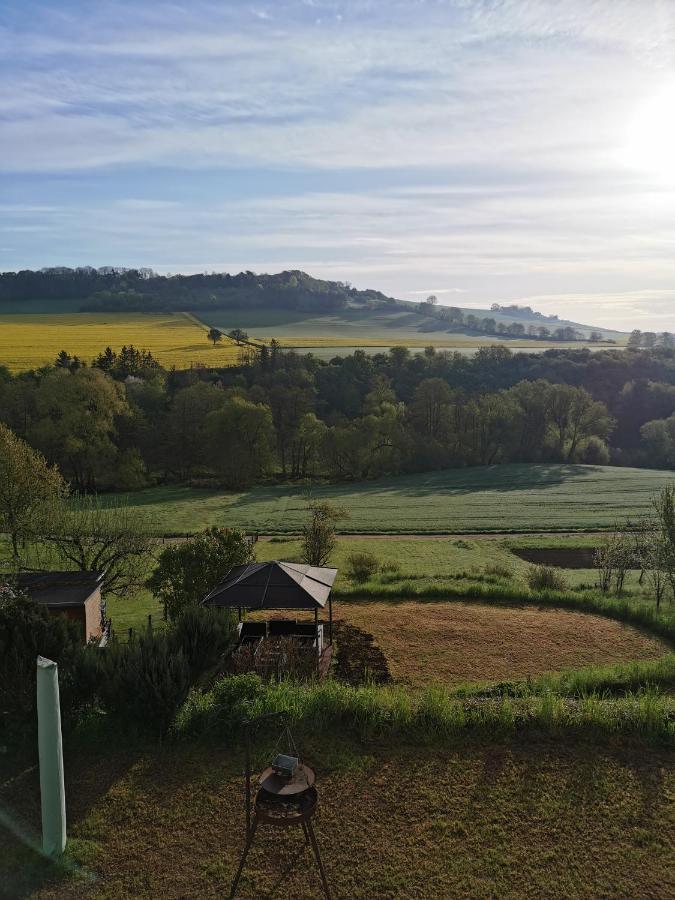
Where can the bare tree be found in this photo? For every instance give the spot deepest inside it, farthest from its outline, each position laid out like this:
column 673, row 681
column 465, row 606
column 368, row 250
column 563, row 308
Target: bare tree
column 614, row 558
column 111, row 539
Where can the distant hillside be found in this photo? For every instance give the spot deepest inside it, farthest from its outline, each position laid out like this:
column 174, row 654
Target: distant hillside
column 115, row 290
column 518, row 321
column 216, row 295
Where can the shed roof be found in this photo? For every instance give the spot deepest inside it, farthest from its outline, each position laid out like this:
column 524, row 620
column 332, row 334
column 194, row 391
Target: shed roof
column 60, row 589
column 274, row 585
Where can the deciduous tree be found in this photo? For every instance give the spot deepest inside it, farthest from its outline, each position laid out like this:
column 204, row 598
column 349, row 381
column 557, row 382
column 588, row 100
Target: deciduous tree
column 318, row 535
column 187, row 571
column 30, row 491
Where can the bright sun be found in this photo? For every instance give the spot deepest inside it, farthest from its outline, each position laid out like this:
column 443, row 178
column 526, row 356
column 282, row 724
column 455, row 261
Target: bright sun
column 650, row 147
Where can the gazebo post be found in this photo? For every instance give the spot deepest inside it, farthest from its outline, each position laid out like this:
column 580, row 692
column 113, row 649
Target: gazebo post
column 316, row 632
column 330, row 619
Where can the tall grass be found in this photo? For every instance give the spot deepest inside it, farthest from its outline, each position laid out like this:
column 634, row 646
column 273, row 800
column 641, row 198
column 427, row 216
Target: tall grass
column 616, row 679
column 371, row 712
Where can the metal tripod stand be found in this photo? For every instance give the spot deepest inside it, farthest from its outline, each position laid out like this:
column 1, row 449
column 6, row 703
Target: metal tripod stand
column 281, row 803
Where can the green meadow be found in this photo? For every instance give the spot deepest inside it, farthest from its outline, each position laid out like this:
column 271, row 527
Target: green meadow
column 505, row 498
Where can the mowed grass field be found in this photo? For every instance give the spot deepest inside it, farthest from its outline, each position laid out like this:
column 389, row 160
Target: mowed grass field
column 502, row 498
column 477, row 818
column 34, row 340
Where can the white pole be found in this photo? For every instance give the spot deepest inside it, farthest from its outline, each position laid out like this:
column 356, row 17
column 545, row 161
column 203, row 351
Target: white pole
column 52, row 792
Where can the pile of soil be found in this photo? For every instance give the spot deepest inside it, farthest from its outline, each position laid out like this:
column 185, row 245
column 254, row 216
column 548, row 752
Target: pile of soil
column 561, row 557
column 358, row 658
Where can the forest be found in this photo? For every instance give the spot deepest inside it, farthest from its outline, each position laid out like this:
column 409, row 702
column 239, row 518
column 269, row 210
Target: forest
column 117, row 289
column 121, row 422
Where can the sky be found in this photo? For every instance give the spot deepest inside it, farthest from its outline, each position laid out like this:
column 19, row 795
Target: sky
column 491, row 151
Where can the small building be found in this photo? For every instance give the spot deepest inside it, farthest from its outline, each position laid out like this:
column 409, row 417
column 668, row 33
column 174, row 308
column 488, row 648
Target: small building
column 76, row 595
column 279, row 646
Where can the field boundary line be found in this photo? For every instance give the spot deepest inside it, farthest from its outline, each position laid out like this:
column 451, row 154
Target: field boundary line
column 195, row 321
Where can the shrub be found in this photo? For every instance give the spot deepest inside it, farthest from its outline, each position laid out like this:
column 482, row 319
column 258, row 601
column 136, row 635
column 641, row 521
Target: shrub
column 144, row 682
column 203, row 636
column 545, row 578
column 361, row 566
column 499, row 570
column 26, row 631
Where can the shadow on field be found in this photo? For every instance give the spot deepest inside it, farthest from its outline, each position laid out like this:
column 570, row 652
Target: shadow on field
column 453, row 483
column 90, row 773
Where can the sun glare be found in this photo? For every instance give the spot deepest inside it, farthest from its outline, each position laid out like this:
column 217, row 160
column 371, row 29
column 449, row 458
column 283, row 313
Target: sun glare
column 650, row 147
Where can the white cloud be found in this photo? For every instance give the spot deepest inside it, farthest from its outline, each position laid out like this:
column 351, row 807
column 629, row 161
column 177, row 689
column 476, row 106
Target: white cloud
column 451, row 143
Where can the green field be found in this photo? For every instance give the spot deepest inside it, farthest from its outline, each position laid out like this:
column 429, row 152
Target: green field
column 29, row 341
column 352, row 328
column 502, row 498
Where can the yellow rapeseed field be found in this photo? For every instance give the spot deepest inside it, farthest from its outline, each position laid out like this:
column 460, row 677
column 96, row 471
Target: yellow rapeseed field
column 31, row 341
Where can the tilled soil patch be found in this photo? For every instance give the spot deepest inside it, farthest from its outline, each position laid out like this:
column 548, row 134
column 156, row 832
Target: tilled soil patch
column 561, row 557
column 358, row 658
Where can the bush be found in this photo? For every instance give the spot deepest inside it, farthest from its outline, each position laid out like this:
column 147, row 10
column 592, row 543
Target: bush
column 594, row 453
column 144, row 682
column 361, row 567
column 545, row 578
column 26, row 631
column 203, row 636
column 499, row 570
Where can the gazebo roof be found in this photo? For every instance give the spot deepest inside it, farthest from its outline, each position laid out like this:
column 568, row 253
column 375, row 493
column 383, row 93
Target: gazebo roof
column 274, row 585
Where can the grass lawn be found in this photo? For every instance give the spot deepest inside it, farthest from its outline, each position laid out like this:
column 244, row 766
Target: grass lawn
column 507, row 498
column 475, row 819
column 31, row 340
column 423, row 561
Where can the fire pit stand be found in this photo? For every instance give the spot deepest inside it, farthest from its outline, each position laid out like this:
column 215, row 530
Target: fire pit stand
column 286, row 796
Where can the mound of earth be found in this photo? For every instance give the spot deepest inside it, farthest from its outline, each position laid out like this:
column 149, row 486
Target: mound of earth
column 561, row 557
column 358, row 657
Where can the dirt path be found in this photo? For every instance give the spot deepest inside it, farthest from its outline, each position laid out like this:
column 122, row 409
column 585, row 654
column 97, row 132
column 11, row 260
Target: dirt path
column 479, row 536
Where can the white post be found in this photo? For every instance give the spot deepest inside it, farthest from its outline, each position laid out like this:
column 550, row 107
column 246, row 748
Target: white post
column 52, row 792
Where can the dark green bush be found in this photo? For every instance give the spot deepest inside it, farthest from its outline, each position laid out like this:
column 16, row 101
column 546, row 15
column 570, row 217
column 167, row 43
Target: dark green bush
column 144, row 682
column 203, row 636
column 26, row 632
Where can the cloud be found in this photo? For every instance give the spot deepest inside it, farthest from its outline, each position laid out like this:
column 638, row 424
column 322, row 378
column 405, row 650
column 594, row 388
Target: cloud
column 450, row 143
column 452, row 290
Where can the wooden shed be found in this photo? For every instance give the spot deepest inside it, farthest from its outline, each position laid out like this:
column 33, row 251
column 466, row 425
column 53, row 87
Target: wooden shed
column 76, row 595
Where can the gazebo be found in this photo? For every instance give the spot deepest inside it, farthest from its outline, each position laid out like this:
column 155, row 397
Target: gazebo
column 278, row 586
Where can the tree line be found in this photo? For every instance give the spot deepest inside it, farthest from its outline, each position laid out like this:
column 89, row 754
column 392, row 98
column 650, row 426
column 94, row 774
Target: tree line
column 457, row 319
column 110, row 289
column 123, row 422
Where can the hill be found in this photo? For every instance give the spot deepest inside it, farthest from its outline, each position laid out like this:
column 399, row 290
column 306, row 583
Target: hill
column 288, row 304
